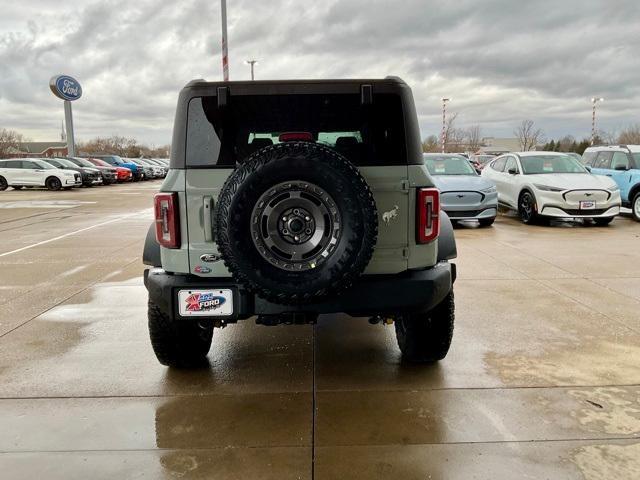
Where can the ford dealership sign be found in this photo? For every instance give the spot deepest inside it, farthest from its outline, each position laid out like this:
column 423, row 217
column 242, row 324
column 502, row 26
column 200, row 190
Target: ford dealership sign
column 65, row 87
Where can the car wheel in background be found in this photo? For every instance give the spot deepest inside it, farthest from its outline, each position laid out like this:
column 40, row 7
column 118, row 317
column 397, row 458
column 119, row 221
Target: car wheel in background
column 486, row 222
column 527, row 208
column 426, row 337
column 603, row 221
column 17, row 187
column 53, row 183
column 3, row 184
column 635, row 207
column 180, row 343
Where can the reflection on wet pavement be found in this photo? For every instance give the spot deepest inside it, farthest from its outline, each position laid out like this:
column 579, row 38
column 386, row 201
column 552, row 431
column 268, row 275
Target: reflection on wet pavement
column 542, row 380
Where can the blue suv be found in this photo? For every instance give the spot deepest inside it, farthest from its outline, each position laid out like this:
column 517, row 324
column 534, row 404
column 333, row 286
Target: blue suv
column 622, row 164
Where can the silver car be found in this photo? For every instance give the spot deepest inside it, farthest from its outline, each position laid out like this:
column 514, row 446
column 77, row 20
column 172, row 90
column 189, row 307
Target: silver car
column 464, row 195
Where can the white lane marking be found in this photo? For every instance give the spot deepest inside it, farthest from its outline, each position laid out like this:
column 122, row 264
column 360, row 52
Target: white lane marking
column 124, row 217
column 43, row 204
column 73, row 271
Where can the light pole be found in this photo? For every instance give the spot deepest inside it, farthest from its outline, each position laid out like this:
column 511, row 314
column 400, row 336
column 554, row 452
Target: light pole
column 252, row 63
column 444, row 121
column 225, row 53
column 594, row 102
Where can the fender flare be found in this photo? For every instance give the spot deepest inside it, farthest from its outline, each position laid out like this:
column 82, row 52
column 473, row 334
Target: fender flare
column 446, row 240
column 151, row 253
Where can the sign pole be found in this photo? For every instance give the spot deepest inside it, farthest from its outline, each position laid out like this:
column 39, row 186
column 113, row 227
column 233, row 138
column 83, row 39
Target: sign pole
column 68, row 89
column 68, row 120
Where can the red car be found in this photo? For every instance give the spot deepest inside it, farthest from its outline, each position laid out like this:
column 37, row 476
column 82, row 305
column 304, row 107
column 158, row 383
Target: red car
column 124, row 174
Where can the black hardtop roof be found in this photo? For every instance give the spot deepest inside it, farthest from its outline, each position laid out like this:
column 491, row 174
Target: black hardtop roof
column 390, row 80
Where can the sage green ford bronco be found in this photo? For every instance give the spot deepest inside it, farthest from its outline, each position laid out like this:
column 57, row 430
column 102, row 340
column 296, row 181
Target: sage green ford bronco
column 289, row 199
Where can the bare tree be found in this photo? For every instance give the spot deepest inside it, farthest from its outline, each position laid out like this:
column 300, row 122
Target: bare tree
column 565, row 143
column 473, row 138
column 117, row 145
column 528, row 135
column 9, row 142
column 630, row 135
column 453, row 137
column 431, row 144
column 604, row 137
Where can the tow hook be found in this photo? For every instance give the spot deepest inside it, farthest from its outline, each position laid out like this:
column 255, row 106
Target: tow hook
column 380, row 319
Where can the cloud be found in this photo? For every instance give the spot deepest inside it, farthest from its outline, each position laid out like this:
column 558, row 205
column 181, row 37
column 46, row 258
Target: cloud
column 501, row 61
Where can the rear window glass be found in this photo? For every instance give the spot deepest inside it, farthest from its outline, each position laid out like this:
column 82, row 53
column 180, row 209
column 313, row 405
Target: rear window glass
column 366, row 135
column 498, row 165
column 588, row 158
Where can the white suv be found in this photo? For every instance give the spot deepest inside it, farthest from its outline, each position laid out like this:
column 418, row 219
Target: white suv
column 33, row 172
column 540, row 185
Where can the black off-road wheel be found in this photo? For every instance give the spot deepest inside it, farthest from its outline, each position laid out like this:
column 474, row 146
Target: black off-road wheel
column 53, row 183
column 426, row 337
column 527, row 209
column 182, row 343
column 296, row 222
column 3, row 183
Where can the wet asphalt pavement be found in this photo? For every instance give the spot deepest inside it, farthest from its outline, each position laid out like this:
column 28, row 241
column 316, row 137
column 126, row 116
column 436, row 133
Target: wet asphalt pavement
column 542, row 381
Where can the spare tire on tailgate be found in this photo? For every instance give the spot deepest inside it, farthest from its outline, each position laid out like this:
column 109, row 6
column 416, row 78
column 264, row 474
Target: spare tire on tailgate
column 296, row 222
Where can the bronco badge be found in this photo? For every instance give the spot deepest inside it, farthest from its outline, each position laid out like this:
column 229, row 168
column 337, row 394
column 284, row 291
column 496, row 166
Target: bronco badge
column 390, row 215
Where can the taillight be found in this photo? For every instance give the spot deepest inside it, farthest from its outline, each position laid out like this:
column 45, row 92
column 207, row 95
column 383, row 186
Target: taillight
column 167, row 219
column 428, row 210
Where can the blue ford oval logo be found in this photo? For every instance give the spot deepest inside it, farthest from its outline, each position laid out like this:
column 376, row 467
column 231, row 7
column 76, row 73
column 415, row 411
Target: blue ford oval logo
column 65, row 87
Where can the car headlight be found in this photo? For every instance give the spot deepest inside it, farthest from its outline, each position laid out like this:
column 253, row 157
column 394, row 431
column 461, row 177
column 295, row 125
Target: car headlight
column 491, row 189
column 614, row 188
column 546, row 188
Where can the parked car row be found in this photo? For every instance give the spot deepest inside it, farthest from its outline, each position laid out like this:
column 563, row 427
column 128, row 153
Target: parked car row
column 540, row 185
column 68, row 172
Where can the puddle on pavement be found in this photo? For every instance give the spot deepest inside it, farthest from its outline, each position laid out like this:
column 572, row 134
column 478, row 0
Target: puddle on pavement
column 605, row 462
column 604, row 362
column 609, row 409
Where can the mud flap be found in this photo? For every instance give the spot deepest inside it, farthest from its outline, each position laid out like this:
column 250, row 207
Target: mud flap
column 151, row 253
column 446, row 240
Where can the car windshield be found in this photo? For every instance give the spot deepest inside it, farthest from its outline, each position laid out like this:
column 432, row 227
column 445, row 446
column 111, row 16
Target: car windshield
column 483, row 158
column 67, row 163
column 449, row 166
column 44, row 165
column 538, row 164
column 82, row 162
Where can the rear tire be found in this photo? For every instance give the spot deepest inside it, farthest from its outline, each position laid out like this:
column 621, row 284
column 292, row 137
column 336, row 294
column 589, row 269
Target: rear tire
column 486, row 222
column 635, row 207
column 180, row 343
column 53, row 183
column 296, row 222
column 426, row 337
column 603, row 221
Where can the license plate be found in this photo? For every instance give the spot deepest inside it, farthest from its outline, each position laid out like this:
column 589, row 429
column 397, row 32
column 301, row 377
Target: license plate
column 205, row 303
column 587, row 205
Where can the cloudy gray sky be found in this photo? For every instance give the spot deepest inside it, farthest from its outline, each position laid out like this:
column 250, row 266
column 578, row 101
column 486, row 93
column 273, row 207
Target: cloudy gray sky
column 500, row 60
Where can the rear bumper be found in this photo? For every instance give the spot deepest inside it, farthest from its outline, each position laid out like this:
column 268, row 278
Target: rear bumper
column 413, row 290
